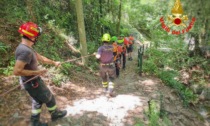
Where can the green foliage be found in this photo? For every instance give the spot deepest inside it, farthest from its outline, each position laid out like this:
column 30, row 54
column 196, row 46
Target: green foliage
column 66, row 68
column 53, row 47
column 154, row 59
column 19, row 12
column 139, row 123
column 206, row 67
column 3, row 48
column 168, row 77
column 150, row 67
column 166, row 121
column 145, row 17
column 92, row 46
column 57, row 79
column 200, row 10
column 8, row 71
column 69, row 68
column 171, row 53
column 154, row 113
column 93, row 63
column 175, row 57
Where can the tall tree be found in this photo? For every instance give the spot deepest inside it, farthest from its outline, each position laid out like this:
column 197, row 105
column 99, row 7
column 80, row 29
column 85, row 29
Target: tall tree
column 119, row 18
column 101, row 15
column 81, row 29
column 200, row 10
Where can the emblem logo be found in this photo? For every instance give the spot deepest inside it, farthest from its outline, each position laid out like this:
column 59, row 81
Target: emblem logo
column 177, row 21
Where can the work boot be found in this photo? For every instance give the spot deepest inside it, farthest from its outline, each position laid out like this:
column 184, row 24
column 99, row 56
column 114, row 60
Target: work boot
column 35, row 121
column 111, row 93
column 105, row 89
column 111, row 89
column 58, row 114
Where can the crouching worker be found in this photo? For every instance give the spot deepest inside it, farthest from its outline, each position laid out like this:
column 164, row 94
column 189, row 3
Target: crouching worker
column 26, row 66
column 107, row 67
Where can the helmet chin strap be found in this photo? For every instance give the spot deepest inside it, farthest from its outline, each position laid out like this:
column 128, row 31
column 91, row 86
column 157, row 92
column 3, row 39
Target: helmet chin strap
column 31, row 40
column 35, row 41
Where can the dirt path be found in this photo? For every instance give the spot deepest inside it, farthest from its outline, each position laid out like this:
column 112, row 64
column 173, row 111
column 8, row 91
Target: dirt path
column 88, row 106
column 150, row 88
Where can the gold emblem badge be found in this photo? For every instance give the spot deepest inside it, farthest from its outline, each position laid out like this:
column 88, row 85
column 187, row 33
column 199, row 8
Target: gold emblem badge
column 177, row 19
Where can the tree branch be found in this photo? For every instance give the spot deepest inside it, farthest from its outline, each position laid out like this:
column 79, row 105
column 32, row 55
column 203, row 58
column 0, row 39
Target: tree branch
column 72, row 47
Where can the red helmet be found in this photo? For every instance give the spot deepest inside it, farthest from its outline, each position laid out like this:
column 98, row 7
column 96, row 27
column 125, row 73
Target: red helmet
column 131, row 38
column 30, row 30
column 126, row 40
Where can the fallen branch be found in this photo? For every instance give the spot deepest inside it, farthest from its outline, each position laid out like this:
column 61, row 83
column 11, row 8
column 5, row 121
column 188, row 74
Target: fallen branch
column 72, row 47
column 67, row 39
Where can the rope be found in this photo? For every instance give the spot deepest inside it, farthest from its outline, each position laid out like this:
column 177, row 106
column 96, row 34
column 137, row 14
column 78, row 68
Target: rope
column 77, row 58
column 7, row 92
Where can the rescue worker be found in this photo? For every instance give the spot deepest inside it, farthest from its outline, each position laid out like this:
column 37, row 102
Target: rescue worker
column 26, row 66
column 107, row 68
column 130, row 47
column 116, row 52
column 123, row 45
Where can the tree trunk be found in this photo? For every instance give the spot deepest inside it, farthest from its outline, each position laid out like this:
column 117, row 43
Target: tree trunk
column 108, row 6
column 81, row 29
column 119, row 19
column 101, row 15
column 197, row 48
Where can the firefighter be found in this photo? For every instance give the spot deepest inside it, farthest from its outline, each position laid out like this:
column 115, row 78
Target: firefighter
column 130, row 42
column 107, row 67
column 122, row 44
column 26, row 66
column 117, row 53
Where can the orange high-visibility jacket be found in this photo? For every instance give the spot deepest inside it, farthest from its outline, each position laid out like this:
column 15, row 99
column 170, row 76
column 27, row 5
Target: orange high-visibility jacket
column 117, row 50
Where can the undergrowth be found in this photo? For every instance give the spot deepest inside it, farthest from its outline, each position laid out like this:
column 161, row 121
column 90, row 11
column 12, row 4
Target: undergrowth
column 167, row 64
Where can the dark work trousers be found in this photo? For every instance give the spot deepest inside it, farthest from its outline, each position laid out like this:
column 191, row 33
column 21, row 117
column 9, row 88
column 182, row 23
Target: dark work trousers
column 107, row 72
column 124, row 59
column 130, row 48
column 40, row 94
column 117, row 66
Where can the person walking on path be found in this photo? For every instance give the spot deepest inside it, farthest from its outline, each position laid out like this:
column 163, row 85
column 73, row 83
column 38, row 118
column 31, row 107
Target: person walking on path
column 107, row 67
column 26, row 66
column 130, row 47
column 117, row 53
column 122, row 43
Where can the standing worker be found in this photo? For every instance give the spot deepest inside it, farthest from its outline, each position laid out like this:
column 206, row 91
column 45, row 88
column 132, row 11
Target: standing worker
column 26, row 66
column 122, row 43
column 117, row 53
column 107, row 68
column 130, row 47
